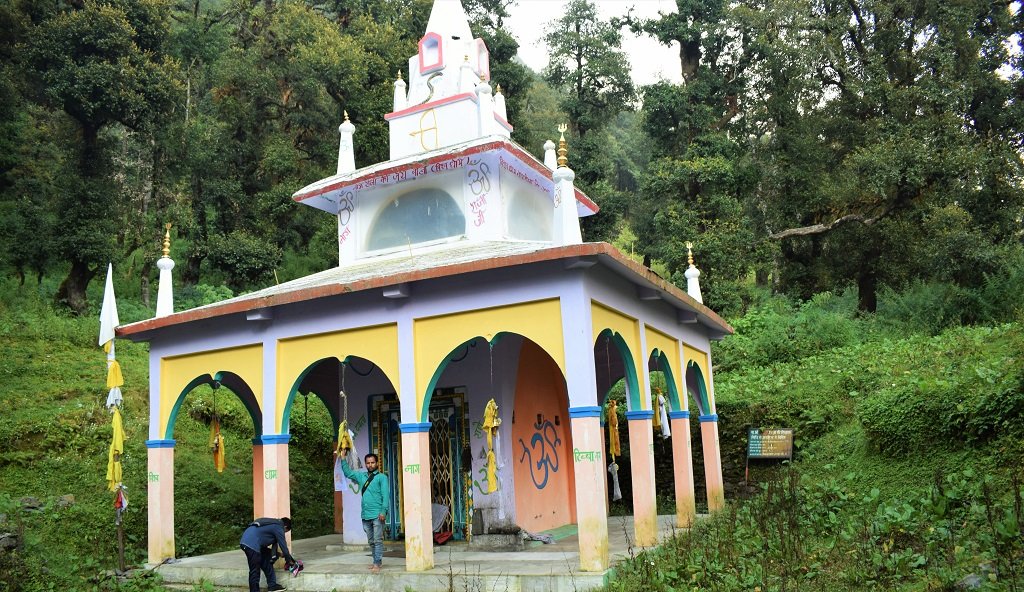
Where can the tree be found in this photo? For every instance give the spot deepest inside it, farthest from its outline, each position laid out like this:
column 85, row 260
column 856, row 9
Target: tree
column 700, row 176
column 588, row 65
column 893, row 144
column 103, row 65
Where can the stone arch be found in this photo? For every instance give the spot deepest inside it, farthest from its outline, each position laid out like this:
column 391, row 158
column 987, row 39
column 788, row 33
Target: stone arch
column 540, row 322
column 611, row 337
column 330, row 364
column 697, row 387
column 660, row 361
column 234, row 383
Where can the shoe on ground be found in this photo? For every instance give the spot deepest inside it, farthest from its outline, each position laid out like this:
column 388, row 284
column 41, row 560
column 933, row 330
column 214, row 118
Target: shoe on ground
column 276, row 587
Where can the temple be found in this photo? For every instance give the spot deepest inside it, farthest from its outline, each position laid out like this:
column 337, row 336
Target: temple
column 462, row 279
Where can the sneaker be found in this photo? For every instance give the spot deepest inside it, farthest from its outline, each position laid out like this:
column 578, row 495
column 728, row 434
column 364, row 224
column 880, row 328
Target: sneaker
column 275, row 588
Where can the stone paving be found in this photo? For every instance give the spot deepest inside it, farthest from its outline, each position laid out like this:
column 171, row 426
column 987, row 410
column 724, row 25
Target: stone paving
column 330, row 565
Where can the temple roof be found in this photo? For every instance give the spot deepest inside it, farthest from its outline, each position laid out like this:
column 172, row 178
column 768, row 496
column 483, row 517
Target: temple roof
column 448, row 259
column 324, row 193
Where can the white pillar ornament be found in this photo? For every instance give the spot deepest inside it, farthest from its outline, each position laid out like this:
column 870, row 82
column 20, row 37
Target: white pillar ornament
column 165, row 290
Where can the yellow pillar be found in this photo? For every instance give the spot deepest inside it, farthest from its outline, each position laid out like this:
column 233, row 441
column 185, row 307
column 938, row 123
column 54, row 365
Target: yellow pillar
column 682, row 463
column 591, row 487
column 419, row 537
column 160, row 493
column 257, row 479
column 712, row 462
column 641, row 461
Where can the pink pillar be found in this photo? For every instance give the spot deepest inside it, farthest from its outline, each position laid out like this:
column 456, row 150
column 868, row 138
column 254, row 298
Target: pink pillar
column 712, row 462
column 591, row 487
column 419, row 539
column 160, row 493
column 682, row 462
column 257, row 479
column 641, row 460
column 276, row 494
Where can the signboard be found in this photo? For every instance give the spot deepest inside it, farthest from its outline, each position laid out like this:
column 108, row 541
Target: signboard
column 770, row 444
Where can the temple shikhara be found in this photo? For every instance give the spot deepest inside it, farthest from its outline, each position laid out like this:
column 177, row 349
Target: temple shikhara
column 462, row 279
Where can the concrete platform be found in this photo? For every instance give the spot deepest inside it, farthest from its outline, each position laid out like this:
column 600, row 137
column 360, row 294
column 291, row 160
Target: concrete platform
column 331, row 565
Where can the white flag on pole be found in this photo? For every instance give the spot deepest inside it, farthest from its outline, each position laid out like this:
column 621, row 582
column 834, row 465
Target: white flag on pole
column 108, row 313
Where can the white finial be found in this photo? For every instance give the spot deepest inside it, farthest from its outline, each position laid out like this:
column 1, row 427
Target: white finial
column 165, row 290
column 550, row 160
column 401, row 100
column 346, row 153
column 499, row 103
column 692, row 274
column 567, row 218
column 485, row 108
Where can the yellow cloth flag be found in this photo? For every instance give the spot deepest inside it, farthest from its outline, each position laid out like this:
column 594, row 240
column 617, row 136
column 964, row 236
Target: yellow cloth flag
column 613, row 429
column 116, row 450
column 114, row 376
column 492, row 472
column 656, row 399
column 344, row 440
column 217, row 446
column 491, row 423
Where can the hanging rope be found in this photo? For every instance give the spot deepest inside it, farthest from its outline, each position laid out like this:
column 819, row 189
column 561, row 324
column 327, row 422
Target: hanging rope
column 216, row 442
column 490, row 425
column 346, row 438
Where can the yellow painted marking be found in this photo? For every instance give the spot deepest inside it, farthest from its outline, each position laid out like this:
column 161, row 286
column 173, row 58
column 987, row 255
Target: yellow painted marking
column 377, row 344
column 177, row 371
column 436, row 337
column 603, row 318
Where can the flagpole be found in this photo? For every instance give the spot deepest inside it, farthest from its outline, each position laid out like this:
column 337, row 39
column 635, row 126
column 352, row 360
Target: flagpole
column 108, row 323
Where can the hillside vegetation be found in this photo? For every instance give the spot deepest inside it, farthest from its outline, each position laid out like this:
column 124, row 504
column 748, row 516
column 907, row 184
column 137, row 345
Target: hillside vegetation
column 909, row 461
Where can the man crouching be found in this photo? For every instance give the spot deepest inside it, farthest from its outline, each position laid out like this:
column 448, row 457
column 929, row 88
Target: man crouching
column 258, row 542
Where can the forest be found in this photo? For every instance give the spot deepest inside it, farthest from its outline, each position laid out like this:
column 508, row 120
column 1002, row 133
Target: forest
column 851, row 174
column 811, row 146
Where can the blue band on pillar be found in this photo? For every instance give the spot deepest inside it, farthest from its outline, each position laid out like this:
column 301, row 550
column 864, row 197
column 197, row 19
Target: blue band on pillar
column 413, row 428
column 709, row 418
column 274, row 439
column 160, row 443
column 640, row 414
column 592, row 411
column 679, row 415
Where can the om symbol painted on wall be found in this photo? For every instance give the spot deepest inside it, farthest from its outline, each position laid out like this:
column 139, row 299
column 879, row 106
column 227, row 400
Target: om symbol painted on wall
column 547, row 440
column 478, row 179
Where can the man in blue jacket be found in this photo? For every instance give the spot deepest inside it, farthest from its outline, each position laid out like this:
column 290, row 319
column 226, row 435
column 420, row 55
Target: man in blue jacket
column 376, row 498
column 258, row 542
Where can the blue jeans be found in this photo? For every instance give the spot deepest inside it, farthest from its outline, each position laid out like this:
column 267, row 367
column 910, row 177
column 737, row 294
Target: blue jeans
column 374, row 530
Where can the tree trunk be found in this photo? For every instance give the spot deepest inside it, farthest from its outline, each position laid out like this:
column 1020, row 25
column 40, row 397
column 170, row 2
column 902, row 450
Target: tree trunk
column 71, row 293
column 867, row 281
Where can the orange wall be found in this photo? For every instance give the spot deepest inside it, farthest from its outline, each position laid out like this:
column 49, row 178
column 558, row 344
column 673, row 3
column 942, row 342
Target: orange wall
column 540, row 388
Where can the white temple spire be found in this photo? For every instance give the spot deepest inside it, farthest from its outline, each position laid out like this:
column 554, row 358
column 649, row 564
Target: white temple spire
column 567, row 220
column 346, row 152
column 448, row 19
column 401, row 100
column 692, row 274
column 165, row 291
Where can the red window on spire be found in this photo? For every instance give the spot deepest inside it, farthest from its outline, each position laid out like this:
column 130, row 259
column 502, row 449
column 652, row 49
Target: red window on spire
column 431, row 53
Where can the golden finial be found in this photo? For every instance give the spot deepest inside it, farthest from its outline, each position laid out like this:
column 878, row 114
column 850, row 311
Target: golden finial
column 346, row 116
column 563, row 150
column 689, row 253
column 465, row 58
column 399, row 74
column 498, row 90
column 167, row 240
